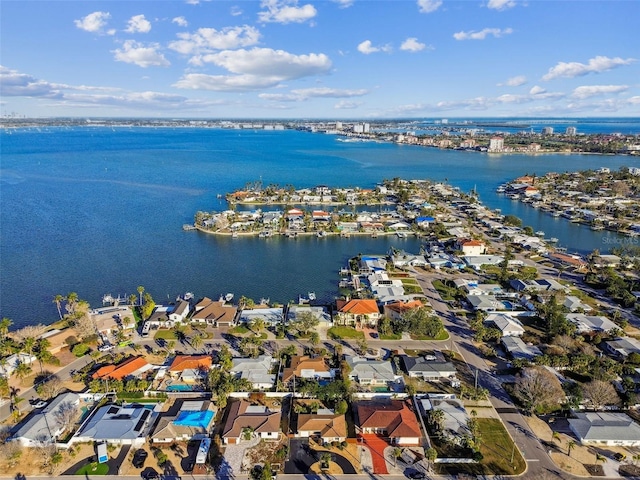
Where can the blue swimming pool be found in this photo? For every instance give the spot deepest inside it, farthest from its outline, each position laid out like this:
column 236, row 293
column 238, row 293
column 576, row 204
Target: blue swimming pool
column 507, row 304
column 189, row 418
column 180, row 388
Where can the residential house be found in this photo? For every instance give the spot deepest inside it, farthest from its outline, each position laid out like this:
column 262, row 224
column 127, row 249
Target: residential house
column 11, row 363
column 508, row 325
column 471, row 247
column 477, row 261
column 324, row 425
column 396, row 310
column 117, row 425
column 574, row 304
column 45, row 426
column 187, row 419
column 57, row 338
column 368, row 372
column 180, row 311
column 622, row 347
column 517, row 349
column 319, row 312
column 190, row 368
column 270, row 316
column 455, row 418
column 538, row 286
column 485, row 303
column 218, row 314
column 244, row 421
column 605, row 428
column 303, row 366
column 369, row 264
column 404, row 259
column 360, row 313
column 591, row 323
column 258, row 371
column 394, row 419
column 131, row 367
column 428, row 368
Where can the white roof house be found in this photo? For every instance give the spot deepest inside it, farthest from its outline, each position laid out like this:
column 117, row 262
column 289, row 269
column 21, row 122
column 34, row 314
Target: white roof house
column 256, row 370
column 117, row 425
column 45, row 426
column 371, row 372
column 321, row 313
column 271, row 316
column 508, row 325
column 591, row 323
column 574, row 304
column 455, row 416
column 605, row 428
column 518, row 349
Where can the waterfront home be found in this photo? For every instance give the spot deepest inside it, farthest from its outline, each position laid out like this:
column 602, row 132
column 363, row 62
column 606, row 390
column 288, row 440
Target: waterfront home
column 403, row 259
column 370, row 264
column 373, row 373
column 508, row 325
column 424, row 222
column 45, row 426
column 324, row 425
column 319, row 312
column 109, row 319
column 428, row 367
column 622, row 347
column 218, row 314
column 517, row 349
column 116, row 425
column 258, row 371
column 57, row 338
column 185, row 420
column 477, row 261
column 303, row 366
column 574, row 261
column 384, row 288
column 396, row 310
column 591, row 323
column 454, row 419
column 269, row 315
column 359, row 313
column 393, row 419
column 179, row 311
column 129, row 368
column 245, row 421
column 438, row 260
column 605, row 428
column 539, row 285
column 11, row 362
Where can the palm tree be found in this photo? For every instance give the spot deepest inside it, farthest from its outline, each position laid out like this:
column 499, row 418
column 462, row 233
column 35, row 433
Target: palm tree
column 196, row 341
column 22, row 370
column 600, row 458
column 72, row 299
column 314, row 338
column 58, row 301
column 570, row 446
column 28, row 344
column 556, row 436
column 132, row 299
column 431, row 454
column 397, row 453
column 5, row 323
column 140, row 292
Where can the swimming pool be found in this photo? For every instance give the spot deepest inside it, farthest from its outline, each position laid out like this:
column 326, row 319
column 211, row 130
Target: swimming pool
column 507, row 304
column 180, row 388
column 189, row 418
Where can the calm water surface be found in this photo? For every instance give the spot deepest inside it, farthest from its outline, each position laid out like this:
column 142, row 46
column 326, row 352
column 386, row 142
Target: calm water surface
column 100, row 210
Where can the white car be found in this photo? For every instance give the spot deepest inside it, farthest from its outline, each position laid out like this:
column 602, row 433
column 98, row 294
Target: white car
column 105, row 347
column 39, row 404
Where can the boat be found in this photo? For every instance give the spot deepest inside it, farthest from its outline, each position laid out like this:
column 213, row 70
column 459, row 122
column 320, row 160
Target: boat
column 401, row 234
column 188, row 227
column 312, row 296
column 234, row 235
column 540, row 233
column 302, row 300
column 321, row 233
column 264, row 234
column 597, row 227
column 501, row 189
column 187, row 296
column 553, row 240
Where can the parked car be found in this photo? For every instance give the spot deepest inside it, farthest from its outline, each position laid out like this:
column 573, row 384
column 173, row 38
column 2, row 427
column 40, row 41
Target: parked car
column 105, row 347
column 37, row 403
column 416, row 475
column 139, row 457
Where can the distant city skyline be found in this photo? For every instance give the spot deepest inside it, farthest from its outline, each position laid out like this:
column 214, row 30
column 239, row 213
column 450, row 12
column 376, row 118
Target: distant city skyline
column 329, row 59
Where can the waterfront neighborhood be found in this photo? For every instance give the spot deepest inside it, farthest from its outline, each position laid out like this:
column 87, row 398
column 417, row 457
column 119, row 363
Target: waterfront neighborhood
column 487, row 352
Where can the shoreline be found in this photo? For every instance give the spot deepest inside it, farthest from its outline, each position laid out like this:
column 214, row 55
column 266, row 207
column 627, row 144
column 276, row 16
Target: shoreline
column 299, row 234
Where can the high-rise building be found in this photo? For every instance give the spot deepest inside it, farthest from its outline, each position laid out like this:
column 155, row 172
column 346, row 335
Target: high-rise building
column 571, row 131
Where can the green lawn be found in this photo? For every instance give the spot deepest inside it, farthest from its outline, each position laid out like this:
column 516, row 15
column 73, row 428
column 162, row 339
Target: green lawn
column 345, row 332
column 391, row 336
column 239, row 329
column 165, row 335
column 497, row 448
column 93, row 468
column 443, row 335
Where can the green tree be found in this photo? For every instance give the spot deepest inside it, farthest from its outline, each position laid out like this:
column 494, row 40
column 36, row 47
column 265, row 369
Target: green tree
column 431, row 454
column 58, row 299
column 570, row 446
column 197, row 341
column 22, row 371
column 140, row 292
column 148, row 306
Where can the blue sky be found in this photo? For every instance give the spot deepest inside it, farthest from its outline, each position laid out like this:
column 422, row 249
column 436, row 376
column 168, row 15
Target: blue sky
column 329, row 59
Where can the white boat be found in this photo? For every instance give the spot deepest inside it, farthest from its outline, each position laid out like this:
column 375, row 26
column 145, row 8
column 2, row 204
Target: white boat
column 312, row 295
column 401, row 234
column 553, row 240
column 540, row 233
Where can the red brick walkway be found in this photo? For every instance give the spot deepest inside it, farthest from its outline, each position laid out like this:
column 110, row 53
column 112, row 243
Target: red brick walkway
column 376, row 445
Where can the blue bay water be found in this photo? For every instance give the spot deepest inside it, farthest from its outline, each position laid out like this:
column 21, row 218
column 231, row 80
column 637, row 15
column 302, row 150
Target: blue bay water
column 98, row 210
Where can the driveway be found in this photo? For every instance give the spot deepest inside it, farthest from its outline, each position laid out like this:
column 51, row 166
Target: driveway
column 300, row 457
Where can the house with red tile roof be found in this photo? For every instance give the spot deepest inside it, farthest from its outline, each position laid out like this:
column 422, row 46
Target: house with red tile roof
column 358, row 312
column 471, row 247
column 132, row 367
column 396, row 310
column 394, row 419
column 190, row 362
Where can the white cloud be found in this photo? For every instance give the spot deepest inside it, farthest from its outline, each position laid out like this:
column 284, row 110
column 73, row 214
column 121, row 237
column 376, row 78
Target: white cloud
column 482, row 34
column 138, row 24
column 597, row 64
column 180, row 21
column 205, row 40
column 514, row 81
column 15, row 84
column 634, row 100
column 235, row 11
column 536, row 90
column 501, row 4
column 329, row 92
column 510, row 98
column 95, row 23
column 141, row 55
column 429, row 6
column 344, row 105
column 344, row 3
column 280, row 97
column 593, row 90
column 285, row 11
column 412, row 44
column 255, row 69
column 367, row 47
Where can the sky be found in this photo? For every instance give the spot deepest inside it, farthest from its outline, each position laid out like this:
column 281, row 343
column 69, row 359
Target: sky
column 320, row 59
